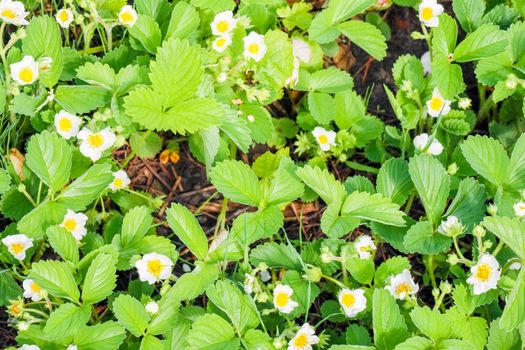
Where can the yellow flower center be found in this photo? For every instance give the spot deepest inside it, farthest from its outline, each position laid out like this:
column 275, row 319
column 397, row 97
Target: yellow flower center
column 300, row 341
column 17, row 248
column 223, row 26
column 323, row 139
column 95, row 140
column 126, row 17
column 436, row 103
column 427, row 13
column 403, row 288
column 26, row 75
column 70, row 224
column 154, row 267
column 483, row 272
column 65, row 124
column 63, row 16
column 348, row 299
column 221, row 42
column 253, row 48
column 8, row 13
column 35, row 288
column 282, row 299
column 118, row 183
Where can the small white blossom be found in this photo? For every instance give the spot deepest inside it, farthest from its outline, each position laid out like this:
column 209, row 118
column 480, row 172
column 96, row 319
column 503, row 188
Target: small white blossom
column 248, row 283
column 152, row 307
column 402, row 285
column 94, row 143
column 221, row 43
column 282, row 298
column 484, row 275
column 44, row 64
column 254, row 46
column 303, row 339
column 13, row 12
column 265, row 276
column 519, row 209
column 364, row 245
column 71, row 347
column 120, row 180
column 32, row 290
column 75, row 223
column 154, row 267
column 64, row 17
column 429, row 11
column 437, row 105
column 515, row 266
column 67, row 124
column 425, row 61
column 17, row 245
column 24, row 72
column 464, row 103
column 223, row 23
column 325, row 138
column 435, row 148
column 127, row 16
column 353, row 301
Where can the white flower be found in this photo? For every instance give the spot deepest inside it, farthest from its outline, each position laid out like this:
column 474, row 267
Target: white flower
column 223, row 23
column 64, row 17
column 437, row 105
column 221, row 43
column 127, row 16
column 425, row 61
column 515, row 266
column 32, row 290
column 248, row 283
column 519, row 209
column 186, row 268
column 13, row 12
column 67, row 124
column 282, row 298
column 324, row 138
column 120, row 180
column 451, row 226
column 301, row 50
column 25, row 72
column 265, row 276
column 254, row 46
column 304, row 338
column 353, row 301
column 402, row 285
column 75, row 223
column 485, row 274
column 152, row 307
column 291, row 81
column 429, row 11
column 17, row 245
column 29, row 347
column 44, row 65
column 154, row 267
column 71, row 347
column 364, row 246
column 435, row 148
column 94, row 143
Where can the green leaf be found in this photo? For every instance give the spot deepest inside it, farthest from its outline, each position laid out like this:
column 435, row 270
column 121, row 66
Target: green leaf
column 392, row 266
column 421, row 238
column 43, row 39
column 49, row 157
column 322, row 30
column 67, row 320
column 322, row 182
column 359, row 183
column 237, row 130
column 187, row 228
column 184, row 21
column 248, row 228
column 234, row 303
column 488, row 40
column 471, row 329
column 366, row 36
column 97, row 74
column 5, row 181
column 261, row 129
column 388, row 323
column 432, row 184
column 236, row 181
column 336, row 225
column 131, row 314
column 279, row 49
column 100, row 279
column 255, row 339
column 191, row 285
column 501, row 338
column 330, row 80
column 212, row 332
column 416, row 343
column 9, row 289
column 150, row 342
column 285, row 186
column 63, row 243
column 349, row 109
column 444, row 37
column 81, row 99
column 510, row 231
column 35, row 223
column 56, row 277
column 447, row 76
column 166, row 318
column 321, row 105
column 487, row 157
column 304, row 292
column 341, row 10
column 393, row 180
column 361, row 269
column 469, row 13
column 85, row 189
column 358, row 335
column 147, row 32
column 276, row 256
column 516, row 178
column 373, row 207
column 469, row 203
column 432, row 323
column 135, row 225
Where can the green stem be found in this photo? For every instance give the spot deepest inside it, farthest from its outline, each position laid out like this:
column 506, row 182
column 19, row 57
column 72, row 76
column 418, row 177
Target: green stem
column 333, row 280
column 498, row 248
column 361, row 167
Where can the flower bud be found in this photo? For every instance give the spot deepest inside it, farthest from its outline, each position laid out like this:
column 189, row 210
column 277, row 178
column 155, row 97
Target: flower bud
column 152, row 307
column 452, row 259
column 313, row 274
column 512, row 82
column 492, row 209
column 479, row 231
column 445, row 287
column 464, row 103
column 452, row 169
column 435, row 292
